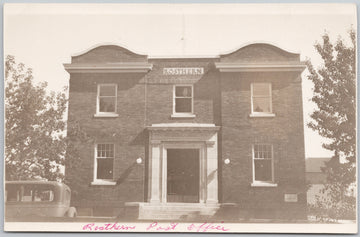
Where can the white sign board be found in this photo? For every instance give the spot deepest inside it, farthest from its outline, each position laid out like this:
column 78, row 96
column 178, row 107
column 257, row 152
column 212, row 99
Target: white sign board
column 183, row 71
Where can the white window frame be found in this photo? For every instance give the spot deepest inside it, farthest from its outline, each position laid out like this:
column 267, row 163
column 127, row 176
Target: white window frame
column 97, row 181
column 106, row 114
column 183, row 115
column 261, row 114
column 257, row 183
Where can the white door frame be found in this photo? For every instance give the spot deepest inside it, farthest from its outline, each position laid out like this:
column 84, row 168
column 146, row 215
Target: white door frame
column 203, row 137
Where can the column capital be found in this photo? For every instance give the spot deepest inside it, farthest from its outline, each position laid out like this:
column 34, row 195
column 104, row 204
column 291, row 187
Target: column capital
column 155, row 142
column 210, row 143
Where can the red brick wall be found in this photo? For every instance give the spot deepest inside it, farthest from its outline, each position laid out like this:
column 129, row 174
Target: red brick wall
column 139, row 104
column 284, row 131
column 159, row 92
column 125, row 131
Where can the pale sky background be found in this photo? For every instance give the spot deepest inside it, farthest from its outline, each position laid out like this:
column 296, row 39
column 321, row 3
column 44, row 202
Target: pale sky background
column 44, row 36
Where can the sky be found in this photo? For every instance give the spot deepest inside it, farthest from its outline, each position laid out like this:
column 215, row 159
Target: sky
column 44, row 36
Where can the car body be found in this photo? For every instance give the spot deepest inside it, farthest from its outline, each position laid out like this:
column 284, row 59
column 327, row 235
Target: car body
column 38, row 198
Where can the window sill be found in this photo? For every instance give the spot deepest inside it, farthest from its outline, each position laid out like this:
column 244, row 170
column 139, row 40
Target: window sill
column 106, row 115
column 103, row 182
column 183, row 116
column 262, row 115
column 263, row 184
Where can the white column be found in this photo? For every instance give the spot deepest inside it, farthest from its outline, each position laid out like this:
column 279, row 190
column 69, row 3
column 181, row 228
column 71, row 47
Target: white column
column 155, row 172
column 212, row 170
column 203, row 174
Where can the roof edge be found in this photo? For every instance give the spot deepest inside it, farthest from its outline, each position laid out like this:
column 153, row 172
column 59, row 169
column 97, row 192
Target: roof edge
column 108, row 44
column 260, row 42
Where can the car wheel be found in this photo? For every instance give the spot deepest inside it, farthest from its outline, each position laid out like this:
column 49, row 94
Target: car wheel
column 71, row 212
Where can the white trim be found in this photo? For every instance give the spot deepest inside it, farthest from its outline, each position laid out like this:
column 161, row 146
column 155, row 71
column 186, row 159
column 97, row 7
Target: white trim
column 260, row 67
column 261, row 114
column 183, row 127
column 97, row 181
column 263, row 184
column 202, row 185
column 183, row 115
column 182, row 56
column 100, row 115
column 103, row 182
column 108, row 67
column 106, row 114
column 211, row 125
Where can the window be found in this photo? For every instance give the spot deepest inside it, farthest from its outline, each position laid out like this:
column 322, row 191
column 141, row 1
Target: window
column 104, row 160
column 183, row 99
column 261, row 98
column 43, row 195
column 30, row 194
column 26, row 194
column 263, row 163
column 106, row 99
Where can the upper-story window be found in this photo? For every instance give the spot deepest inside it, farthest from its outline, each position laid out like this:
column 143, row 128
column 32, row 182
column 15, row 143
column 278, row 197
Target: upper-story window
column 106, row 99
column 183, row 100
column 261, row 101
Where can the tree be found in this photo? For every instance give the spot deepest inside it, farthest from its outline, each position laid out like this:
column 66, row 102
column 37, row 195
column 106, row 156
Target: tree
column 34, row 126
column 335, row 119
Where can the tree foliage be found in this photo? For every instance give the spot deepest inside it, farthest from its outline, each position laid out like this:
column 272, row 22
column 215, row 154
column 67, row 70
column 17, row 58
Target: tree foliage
column 34, row 126
column 335, row 119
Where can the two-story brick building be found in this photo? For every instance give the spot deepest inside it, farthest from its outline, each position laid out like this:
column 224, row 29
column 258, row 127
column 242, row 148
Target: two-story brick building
column 178, row 136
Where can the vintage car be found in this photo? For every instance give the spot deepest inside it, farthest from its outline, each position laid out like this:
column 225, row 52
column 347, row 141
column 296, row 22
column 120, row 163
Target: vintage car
column 38, row 198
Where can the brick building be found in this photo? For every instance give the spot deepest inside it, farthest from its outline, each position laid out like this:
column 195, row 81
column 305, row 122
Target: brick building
column 175, row 137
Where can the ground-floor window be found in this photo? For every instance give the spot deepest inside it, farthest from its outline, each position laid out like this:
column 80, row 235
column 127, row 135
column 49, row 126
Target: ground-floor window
column 263, row 170
column 104, row 161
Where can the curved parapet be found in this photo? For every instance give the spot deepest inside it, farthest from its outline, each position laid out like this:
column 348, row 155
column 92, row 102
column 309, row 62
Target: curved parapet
column 108, row 53
column 108, row 58
column 260, row 57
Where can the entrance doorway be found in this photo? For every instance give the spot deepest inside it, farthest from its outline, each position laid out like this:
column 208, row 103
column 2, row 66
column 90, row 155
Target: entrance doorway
column 183, row 178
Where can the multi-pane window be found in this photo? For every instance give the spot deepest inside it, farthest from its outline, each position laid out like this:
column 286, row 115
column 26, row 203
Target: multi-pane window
column 263, row 162
column 183, row 99
column 106, row 98
column 104, row 161
column 261, row 98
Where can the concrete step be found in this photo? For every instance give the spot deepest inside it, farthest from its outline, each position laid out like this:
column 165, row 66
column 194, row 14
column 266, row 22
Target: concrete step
column 175, row 211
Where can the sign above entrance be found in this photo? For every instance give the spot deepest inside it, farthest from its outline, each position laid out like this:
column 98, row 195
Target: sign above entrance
column 183, row 71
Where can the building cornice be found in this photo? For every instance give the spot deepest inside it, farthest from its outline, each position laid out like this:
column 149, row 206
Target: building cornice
column 260, row 67
column 183, row 127
column 109, row 68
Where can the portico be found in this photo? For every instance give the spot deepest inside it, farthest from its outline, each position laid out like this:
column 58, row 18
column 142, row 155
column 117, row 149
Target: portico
column 197, row 145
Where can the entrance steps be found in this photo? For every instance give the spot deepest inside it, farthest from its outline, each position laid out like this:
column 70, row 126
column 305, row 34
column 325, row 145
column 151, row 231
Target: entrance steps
column 175, row 211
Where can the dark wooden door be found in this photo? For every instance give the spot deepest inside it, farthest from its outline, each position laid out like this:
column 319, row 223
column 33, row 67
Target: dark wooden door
column 183, row 168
